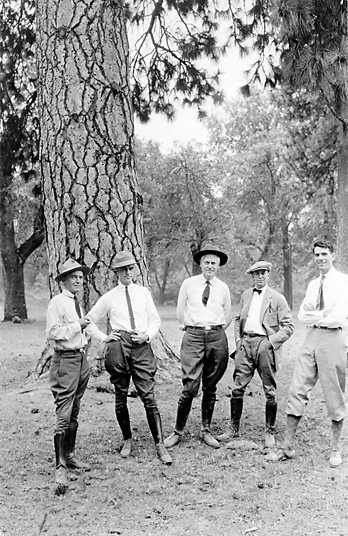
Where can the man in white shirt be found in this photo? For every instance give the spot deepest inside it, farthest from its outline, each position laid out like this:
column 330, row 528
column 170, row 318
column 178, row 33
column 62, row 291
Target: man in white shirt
column 262, row 325
column 134, row 321
column 69, row 371
column 324, row 311
column 204, row 311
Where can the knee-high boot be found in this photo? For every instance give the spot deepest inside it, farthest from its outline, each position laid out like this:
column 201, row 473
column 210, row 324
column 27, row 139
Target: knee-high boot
column 70, row 439
column 155, row 425
column 61, row 475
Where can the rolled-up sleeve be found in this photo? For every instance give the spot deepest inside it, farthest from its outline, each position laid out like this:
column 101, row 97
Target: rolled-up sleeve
column 154, row 321
column 57, row 330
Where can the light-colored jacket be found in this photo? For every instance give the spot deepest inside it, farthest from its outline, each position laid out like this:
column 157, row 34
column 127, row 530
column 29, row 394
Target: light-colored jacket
column 275, row 317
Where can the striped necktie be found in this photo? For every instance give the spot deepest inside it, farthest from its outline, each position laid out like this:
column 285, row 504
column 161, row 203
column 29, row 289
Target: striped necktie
column 206, row 292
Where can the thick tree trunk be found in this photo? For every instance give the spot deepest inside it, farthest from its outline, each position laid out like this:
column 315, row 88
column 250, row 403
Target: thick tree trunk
column 92, row 200
column 13, row 277
column 287, row 263
column 342, row 192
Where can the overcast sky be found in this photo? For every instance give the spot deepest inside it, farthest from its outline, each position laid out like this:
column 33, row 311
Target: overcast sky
column 186, row 127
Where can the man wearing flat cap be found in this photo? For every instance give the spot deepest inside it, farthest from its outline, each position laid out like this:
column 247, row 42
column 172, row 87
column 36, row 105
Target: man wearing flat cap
column 134, row 321
column 262, row 325
column 204, row 311
column 68, row 329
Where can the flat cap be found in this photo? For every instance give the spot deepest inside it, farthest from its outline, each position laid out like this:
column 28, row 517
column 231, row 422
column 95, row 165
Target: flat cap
column 122, row 259
column 210, row 250
column 70, row 266
column 259, row 265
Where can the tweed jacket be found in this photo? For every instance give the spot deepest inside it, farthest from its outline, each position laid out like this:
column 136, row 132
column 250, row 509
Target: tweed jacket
column 275, row 317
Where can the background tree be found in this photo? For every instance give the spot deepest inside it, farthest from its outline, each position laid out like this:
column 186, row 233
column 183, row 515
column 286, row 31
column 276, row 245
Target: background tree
column 183, row 209
column 18, row 152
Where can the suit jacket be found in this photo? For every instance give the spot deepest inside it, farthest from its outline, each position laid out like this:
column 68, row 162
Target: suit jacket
column 275, row 317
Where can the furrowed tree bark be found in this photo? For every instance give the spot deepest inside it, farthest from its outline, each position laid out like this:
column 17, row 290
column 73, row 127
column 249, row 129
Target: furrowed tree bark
column 92, row 200
column 342, row 189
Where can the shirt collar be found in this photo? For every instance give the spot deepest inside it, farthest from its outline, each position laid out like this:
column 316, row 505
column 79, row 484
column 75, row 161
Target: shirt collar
column 119, row 284
column 329, row 274
column 263, row 290
column 67, row 293
column 204, row 280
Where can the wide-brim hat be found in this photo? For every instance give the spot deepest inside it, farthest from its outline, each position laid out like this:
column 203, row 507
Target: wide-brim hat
column 122, row 259
column 259, row 265
column 69, row 266
column 211, row 250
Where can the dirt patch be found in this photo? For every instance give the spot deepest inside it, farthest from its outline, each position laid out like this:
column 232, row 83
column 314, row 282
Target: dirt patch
column 220, row 492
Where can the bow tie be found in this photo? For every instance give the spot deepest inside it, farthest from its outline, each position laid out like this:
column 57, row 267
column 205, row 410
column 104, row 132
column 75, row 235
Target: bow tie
column 258, row 290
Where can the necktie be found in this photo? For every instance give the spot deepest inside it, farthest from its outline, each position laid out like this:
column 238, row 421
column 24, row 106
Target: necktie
column 258, row 290
column 130, row 310
column 77, row 306
column 206, row 292
column 320, row 299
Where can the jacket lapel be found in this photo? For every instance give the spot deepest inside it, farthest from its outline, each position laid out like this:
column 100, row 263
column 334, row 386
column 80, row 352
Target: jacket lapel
column 265, row 303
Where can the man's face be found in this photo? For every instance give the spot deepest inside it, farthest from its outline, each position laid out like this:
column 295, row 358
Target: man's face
column 323, row 258
column 260, row 278
column 74, row 282
column 209, row 265
column 125, row 274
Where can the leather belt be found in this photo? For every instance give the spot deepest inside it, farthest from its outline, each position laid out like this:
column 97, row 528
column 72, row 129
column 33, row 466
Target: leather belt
column 72, row 351
column 205, row 328
column 327, row 328
column 253, row 335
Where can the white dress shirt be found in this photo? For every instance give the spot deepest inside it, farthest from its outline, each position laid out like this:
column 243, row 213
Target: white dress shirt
column 113, row 305
column 335, row 293
column 252, row 323
column 190, row 309
column 63, row 325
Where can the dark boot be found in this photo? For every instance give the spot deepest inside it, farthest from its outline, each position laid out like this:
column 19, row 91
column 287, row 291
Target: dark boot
column 236, row 405
column 70, row 439
column 61, row 470
column 155, row 425
column 270, row 414
column 122, row 415
column 208, row 404
column 184, row 408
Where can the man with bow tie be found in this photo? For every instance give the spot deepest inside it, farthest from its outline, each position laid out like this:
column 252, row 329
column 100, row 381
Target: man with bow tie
column 324, row 311
column 204, row 311
column 262, row 325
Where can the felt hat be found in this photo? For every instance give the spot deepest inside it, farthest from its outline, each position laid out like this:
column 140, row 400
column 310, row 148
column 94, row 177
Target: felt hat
column 122, row 259
column 210, row 250
column 69, row 266
column 259, row 265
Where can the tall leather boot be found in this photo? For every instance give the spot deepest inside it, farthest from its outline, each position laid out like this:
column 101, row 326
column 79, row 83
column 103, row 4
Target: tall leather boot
column 155, row 425
column 270, row 416
column 70, row 439
column 236, row 407
column 208, row 404
column 122, row 416
column 61, row 475
column 184, row 408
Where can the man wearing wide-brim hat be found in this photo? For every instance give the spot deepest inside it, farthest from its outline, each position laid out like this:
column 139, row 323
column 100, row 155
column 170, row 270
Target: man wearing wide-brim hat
column 204, row 311
column 67, row 329
column 134, row 321
column 262, row 325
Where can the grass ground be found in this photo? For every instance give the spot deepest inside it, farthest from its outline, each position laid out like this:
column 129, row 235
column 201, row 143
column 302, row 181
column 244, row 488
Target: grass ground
column 205, row 492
